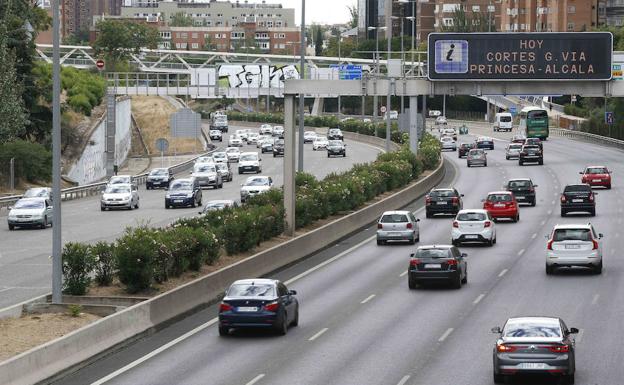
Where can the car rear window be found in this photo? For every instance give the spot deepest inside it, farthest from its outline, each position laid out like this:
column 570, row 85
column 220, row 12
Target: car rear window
column 519, row 184
column 476, row 152
column 596, row 170
column 471, row 217
column 515, row 146
column 577, row 188
column 394, row 218
column 442, row 193
column 572, row 235
column 499, row 198
column 532, row 329
column 433, row 253
column 505, row 118
column 240, row 290
column 533, row 148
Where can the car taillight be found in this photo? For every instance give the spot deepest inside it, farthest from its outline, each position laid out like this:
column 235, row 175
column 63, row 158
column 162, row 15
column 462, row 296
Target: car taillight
column 452, row 262
column 591, row 197
column 409, row 225
column 502, row 348
column 224, row 307
column 549, row 244
column 455, row 200
column 559, row 348
column 563, row 199
column 273, row 306
column 428, row 200
column 414, row 262
column 455, row 224
column 487, row 224
column 379, row 226
column 594, row 244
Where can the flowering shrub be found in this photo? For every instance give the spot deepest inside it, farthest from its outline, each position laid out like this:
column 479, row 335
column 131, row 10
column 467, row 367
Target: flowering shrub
column 429, row 151
column 104, row 263
column 135, row 252
column 77, row 265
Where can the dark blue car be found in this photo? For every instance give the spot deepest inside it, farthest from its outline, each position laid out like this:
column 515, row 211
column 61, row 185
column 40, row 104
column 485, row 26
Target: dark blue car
column 258, row 303
column 183, row 193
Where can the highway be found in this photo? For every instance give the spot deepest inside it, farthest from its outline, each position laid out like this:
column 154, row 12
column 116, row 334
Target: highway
column 25, row 266
column 359, row 323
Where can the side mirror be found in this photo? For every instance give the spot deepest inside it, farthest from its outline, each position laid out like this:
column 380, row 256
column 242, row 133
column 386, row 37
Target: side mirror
column 574, row 331
column 464, row 255
column 600, row 235
column 10, row 207
column 412, row 255
column 595, row 193
column 417, row 220
column 581, row 172
column 461, row 195
column 50, row 207
column 496, row 330
column 292, row 292
column 535, row 186
column 199, row 212
column 482, row 200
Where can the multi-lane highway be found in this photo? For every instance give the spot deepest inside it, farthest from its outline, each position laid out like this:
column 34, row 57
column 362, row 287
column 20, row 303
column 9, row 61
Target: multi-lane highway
column 359, row 323
column 25, row 267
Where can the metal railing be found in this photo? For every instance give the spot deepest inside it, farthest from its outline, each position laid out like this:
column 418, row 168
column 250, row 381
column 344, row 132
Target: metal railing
column 585, row 136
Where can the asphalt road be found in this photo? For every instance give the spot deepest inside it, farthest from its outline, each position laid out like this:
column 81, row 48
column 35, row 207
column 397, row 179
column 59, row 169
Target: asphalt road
column 25, row 266
column 359, row 323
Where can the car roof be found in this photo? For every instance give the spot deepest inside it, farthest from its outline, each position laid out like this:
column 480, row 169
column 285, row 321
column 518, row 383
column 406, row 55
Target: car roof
column 404, row 212
column 576, row 184
column 429, row 247
column 250, row 281
column 534, row 319
column 249, row 153
column 467, row 211
column 573, row 226
column 216, row 201
column 500, row 192
column 38, row 199
column 442, row 189
column 517, row 179
column 190, row 180
column 596, row 166
column 121, row 176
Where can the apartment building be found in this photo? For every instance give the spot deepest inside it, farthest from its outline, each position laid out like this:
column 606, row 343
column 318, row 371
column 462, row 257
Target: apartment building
column 487, row 10
column 549, row 15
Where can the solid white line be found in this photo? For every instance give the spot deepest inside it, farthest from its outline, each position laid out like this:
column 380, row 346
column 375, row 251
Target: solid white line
column 595, row 299
column 317, row 335
column 521, row 252
column 256, row 379
column 368, row 298
column 403, row 380
column 502, row 273
column 403, row 273
column 155, row 352
column 446, row 334
column 5, row 289
column 534, row 235
column 479, row 298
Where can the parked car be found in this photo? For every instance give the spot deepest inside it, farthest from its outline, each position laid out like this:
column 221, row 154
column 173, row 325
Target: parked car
column 443, row 201
column 183, row 192
column 120, row 196
column 278, row 147
column 596, row 176
column 157, row 178
column 233, row 153
column 463, row 148
column 255, row 185
column 206, row 175
column 38, row 192
column 513, row 151
column 320, row 143
column 216, row 205
column 258, row 303
column 440, row 120
column 473, row 225
column 278, row 131
column 266, row 129
column 502, row 204
column 573, row 245
column 534, row 345
column 309, row 136
column 223, row 168
column 398, row 225
column 336, row 147
column 267, row 145
column 216, row 135
column 335, row 134
column 531, row 154
column 435, row 263
column 235, row 141
column 476, row 156
column 485, row 142
column 220, row 157
column 447, row 143
column 578, row 198
column 249, row 161
column 523, row 189
column 31, row 212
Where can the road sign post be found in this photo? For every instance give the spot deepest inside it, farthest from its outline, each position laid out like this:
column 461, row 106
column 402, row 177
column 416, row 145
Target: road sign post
column 162, row 145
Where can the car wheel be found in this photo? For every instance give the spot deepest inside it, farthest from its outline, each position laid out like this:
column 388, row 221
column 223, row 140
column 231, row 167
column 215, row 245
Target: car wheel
column 11, row 227
column 465, row 279
column 283, row 325
column 569, row 379
column 221, row 184
column 418, row 238
column 485, row 164
column 468, row 164
column 457, row 282
column 137, row 205
column 507, row 157
column 592, row 212
column 499, row 378
column 44, row 224
column 380, row 242
column 412, row 240
column 193, row 203
column 295, row 321
column 411, row 283
column 166, row 206
column 102, row 208
column 428, row 214
column 563, row 213
column 328, row 155
column 533, row 203
column 550, row 270
column 598, row 269
column 609, row 186
column 224, row 331
column 520, row 163
column 490, row 243
column 455, row 243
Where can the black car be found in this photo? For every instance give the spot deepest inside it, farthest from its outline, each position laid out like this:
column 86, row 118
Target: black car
column 443, row 201
column 578, row 198
column 258, row 303
column 534, row 142
column 158, row 177
column 531, row 154
column 463, row 149
column 183, row 193
column 485, row 143
column 278, row 148
column 437, row 263
column 336, row 148
column 335, row 134
column 523, row 189
column 534, row 345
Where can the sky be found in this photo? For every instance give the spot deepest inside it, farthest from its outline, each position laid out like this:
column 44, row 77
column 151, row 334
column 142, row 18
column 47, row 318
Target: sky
column 320, row 11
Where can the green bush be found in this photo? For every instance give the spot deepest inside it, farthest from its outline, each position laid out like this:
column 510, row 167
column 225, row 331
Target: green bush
column 77, row 266
column 135, row 253
column 429, row 151
column 33, row 162
column 104, row 263
column 80, row 103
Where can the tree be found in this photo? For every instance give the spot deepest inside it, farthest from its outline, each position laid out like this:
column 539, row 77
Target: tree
column 318, row 41
column 118, row 39
column 181, row 19
column 14, row 118
column 463, row 23
column 208, row 45
column 353, row 12
column 80, row 37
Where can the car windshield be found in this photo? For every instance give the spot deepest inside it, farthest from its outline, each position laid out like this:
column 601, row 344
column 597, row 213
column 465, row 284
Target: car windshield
column 180, row 185
column 214, row 206
column 36, row 193
column 537, row 114
column 240, row 290
column 532, row 329
column 27, row 204
column 257, row 182
column 281, row 141
column 218, row 155
column 320, row 139
column 446, row 139
column 531, row 148
column 505, row 119
column 394, row 218
column 159, row 171
column 335, row 143
column 231, row 150
column 499, row 198
column 484, row 140
column 572, row 235
column 519, row 184
column 119, row 179
column 334, row 131
column 442, row 193
column 205, row 168
column 310, row 133
column 432, row 253
column 117, row 190
column 596, row 170
column 577, row 188
column 248, row 158
column 471, row 217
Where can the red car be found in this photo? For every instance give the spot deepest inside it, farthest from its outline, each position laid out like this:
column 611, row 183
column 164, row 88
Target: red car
column 502, row 204
column 596, row 176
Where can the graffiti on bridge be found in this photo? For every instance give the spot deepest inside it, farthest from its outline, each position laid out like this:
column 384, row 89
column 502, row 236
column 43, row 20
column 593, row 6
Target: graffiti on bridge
column 256, row 75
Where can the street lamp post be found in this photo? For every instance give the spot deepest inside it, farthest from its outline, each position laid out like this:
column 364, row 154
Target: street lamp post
column 389, row 94
column 57, row 272
column 301, row 96
column 378, row 62
column 339, row 64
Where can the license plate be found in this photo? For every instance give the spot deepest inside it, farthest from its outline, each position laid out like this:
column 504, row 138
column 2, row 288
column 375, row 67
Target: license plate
column 177, row 201
column 499, row 205
column 432, row 265
column 532, row 365
column 155, row 182
column 247, row 308
column 577, row 200
column 395, row 234
column 472, row 236
column 595, row 180
column 442, row 203
column 572, row 246
column 519, row 198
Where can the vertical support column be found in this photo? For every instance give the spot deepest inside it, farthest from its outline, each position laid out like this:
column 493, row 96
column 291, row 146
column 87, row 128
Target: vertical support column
column 413, row 128
column 424, row 112
column 57, row 236
column 110, row 134
column 289, row 163
column 363, row 106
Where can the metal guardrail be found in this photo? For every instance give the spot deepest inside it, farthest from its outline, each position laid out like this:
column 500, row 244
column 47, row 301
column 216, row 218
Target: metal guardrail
column 578, row 135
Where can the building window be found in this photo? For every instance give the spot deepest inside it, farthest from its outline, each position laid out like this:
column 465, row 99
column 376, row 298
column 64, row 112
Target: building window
column 181, row 45
column 165, row 35
column 165, row 45
column 195, row 45
column 572, row 9
column 449, row 8
column 570, row 26
column 198, row 23
column 476, row 8
column 184, row 35
column 279, row 23
column 194, row 35
column 219, row 15
column 282, row 36
column 447, row 21
column 264, row 45
column 269, row 24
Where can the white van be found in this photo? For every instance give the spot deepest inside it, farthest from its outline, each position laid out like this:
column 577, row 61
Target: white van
column 503, row 121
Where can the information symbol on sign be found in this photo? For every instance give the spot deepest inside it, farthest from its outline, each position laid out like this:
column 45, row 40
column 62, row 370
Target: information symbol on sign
column 609, row 117
column 451, row 56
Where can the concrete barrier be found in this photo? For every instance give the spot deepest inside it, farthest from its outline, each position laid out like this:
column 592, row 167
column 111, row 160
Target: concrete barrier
column 77, row 348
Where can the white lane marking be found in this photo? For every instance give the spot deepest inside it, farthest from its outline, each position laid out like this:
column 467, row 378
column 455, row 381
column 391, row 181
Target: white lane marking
column 155, row 352
column 543, row 222
column 446, row 334
column 502, row 273
column 579, row 336
column 317, row 335
column 403, row 273
column 479, row 298
column 595, row 299
column 521, row 252
column 552, row 202
column 5, row 289
column 256, row 379
column 403, row 380
column 534, row 235
column 368, row 298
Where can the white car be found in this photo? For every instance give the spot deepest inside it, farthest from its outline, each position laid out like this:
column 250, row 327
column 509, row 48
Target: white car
column 204, row 159
column 513, row 151
column 441, row 120
column 123, row 196
column 28, row 212
column 235, row 141
column 449, row 132
column 434, row 113
column 252, row 138
column 263, row 138
column 309, row 136
column 216, row 135
column 219, row 157
column 243, row 134
column 574, row 245
column 255, row 185
column 266, row 129
column 278, row 131
column 249, row 161
column 367, row 120
column 120, row 179
column 320, row 143
column 473, row 225
column 448, row 143
column 233, row 153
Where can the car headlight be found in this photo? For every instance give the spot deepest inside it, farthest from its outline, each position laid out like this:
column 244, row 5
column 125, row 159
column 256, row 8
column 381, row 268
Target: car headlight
column 244, row 192
column 189, row 195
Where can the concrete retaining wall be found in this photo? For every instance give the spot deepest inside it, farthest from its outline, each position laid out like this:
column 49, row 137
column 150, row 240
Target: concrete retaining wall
column 77, row 347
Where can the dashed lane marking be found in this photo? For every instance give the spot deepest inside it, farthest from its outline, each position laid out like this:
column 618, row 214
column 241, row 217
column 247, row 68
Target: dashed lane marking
column 256, row 379
column 368, row 298
column 521, row 252
column 403, row 380
column 479, row 298
column 595, row 299
column 445, row 335
column 534, row 236
column 403, row 273
column 502, row 273
column 317, row 335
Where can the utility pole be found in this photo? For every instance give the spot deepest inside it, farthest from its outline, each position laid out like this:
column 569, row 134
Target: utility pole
column 57, row 266
column 390, row 83
column 301, row 96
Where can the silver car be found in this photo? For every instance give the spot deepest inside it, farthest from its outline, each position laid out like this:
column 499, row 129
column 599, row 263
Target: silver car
column 397, row 226
column 448, row 143
column 513, row 151
column 38, row 192
column 223, row 168
column 476, row 156
column 574, row 245
column 29, row 212
column 206, row 175
column 216, row 205
column 120, row 196
column 534, row 345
